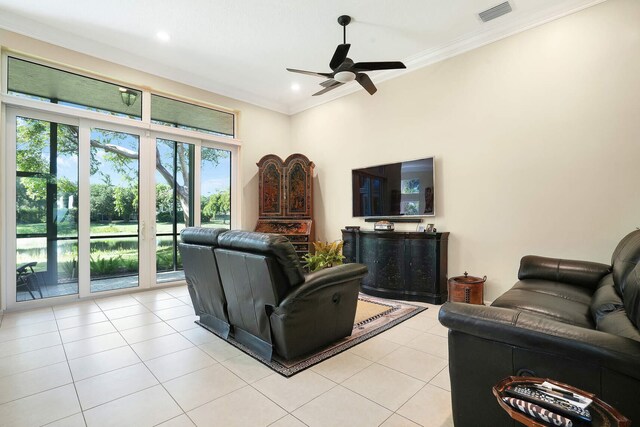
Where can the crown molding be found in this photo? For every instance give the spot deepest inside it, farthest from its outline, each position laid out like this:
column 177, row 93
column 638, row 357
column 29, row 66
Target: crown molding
column 456, row 47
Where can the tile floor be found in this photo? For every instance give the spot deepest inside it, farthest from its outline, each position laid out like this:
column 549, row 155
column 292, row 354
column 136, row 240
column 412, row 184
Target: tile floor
column 139, row 360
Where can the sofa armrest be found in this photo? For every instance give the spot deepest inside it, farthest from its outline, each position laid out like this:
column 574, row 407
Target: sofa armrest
column 327, row 277
column 581, row 273
column 537, row 333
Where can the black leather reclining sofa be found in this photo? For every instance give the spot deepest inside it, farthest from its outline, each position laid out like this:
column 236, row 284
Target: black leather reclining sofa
column 251, row 285
column 572, row 321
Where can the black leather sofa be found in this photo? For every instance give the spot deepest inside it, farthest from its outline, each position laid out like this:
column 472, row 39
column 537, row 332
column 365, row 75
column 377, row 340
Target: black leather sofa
column 251, row 285
column 572, row 321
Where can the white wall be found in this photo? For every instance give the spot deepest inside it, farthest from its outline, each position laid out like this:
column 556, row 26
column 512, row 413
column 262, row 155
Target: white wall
column 537, row 141
column 262, row 131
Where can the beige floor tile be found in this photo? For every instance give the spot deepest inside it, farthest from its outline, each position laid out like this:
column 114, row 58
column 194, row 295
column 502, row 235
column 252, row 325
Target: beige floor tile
column 99, row 363
column 41, row 408
column 93, row 345
column 232, row 410
column 84, row 319
column 247, row 368
column 24, row 331
column 288, row 421
column 176, row 364
column 31, row 360
column 341, row 407
column 374, row 348
column 432, row 311
column 149, row 296
column 131, row 310
column 220, row 350
column 203, row 386
column 35, row 381
column 442, row 380
column 342, row 366
column 184, row 323
column 396, row 420
column 422, row 322
column 86, row 331
column 75, row 309
column 292, row 393
column 439, row 330
column 112, row 385
column 174, row 312
column 186, row 300
column 400, row 334
column 181, row 421
column 20, row 318
column 76, row 420
column 119, row 301
column 178, row 291
column 432, row 344
column 430, row 407
column 145, row 408
column 161, row 346
column 199, row 336
column 163, row 304
column 415, row 363
column 23, row 345
column 147, row 332
column 385, row 386
column 135, row 321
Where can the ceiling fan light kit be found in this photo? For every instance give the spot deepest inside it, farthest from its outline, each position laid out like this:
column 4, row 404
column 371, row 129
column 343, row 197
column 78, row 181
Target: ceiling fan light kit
column 345, row 70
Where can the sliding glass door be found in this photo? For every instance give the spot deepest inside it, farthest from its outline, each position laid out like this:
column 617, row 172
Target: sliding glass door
column 46, row 215
column 174, row 204
column 114, row 209
column 83, row 223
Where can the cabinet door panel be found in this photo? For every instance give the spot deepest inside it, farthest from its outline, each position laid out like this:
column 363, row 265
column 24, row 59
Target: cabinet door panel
column 368, row 256
column 298, row 190
column 421, row 261
column 271, row 189
column 390, row 263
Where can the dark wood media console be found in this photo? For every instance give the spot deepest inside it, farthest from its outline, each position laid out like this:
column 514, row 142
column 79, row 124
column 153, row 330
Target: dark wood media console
column 402, row 265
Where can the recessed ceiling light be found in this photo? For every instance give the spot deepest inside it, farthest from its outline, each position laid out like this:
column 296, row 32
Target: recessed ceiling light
column 163, row 36
column 295, row 87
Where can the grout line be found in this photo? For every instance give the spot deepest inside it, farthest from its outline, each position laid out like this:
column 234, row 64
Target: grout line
column 70, row 372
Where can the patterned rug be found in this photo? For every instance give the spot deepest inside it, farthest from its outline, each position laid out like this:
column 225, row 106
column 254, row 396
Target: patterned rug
column 373, row 316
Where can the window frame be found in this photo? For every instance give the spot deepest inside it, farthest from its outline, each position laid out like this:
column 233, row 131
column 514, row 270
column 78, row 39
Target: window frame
column 79, row 117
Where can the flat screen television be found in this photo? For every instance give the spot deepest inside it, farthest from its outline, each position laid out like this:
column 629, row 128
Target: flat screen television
column 395, row 189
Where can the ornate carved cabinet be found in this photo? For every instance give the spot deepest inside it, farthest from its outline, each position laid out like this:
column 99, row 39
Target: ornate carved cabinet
column 402, row 265
column 286, row 199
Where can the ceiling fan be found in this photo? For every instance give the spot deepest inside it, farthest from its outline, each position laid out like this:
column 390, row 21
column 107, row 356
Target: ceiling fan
column 345, row 70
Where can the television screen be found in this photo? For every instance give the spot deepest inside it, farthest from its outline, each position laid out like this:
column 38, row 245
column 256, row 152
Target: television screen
column 395, row 189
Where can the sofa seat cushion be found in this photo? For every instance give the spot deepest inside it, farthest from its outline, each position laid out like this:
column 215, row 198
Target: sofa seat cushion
column 559, row 301
column 605, row 299
column 617, row 323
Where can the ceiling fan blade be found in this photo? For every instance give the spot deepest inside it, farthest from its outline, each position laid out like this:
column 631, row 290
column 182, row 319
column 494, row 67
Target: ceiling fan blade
column 328, row 83
column 366, row 83
column 328, row 88
column 309, row 73
column 372, row 66
column 339, row 56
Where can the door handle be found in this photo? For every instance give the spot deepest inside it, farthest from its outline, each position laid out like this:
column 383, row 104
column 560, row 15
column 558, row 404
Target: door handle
column 142, row 231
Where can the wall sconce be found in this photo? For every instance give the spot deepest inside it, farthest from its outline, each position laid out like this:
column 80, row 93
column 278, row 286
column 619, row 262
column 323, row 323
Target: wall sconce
column 128, row 96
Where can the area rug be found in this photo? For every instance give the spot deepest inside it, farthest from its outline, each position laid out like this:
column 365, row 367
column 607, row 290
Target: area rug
column 373, row 316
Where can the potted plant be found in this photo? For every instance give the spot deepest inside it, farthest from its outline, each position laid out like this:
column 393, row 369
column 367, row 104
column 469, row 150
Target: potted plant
column 325, row 255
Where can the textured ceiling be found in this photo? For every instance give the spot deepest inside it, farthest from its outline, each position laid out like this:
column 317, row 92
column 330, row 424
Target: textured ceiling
column 241, row 48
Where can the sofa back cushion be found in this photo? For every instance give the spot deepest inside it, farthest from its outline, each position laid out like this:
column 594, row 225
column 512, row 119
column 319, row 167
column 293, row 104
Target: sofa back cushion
column 201, row 236
column 272, row 245
column 626, row 274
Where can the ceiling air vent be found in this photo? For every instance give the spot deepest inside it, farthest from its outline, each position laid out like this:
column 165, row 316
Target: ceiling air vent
column 495, row 12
